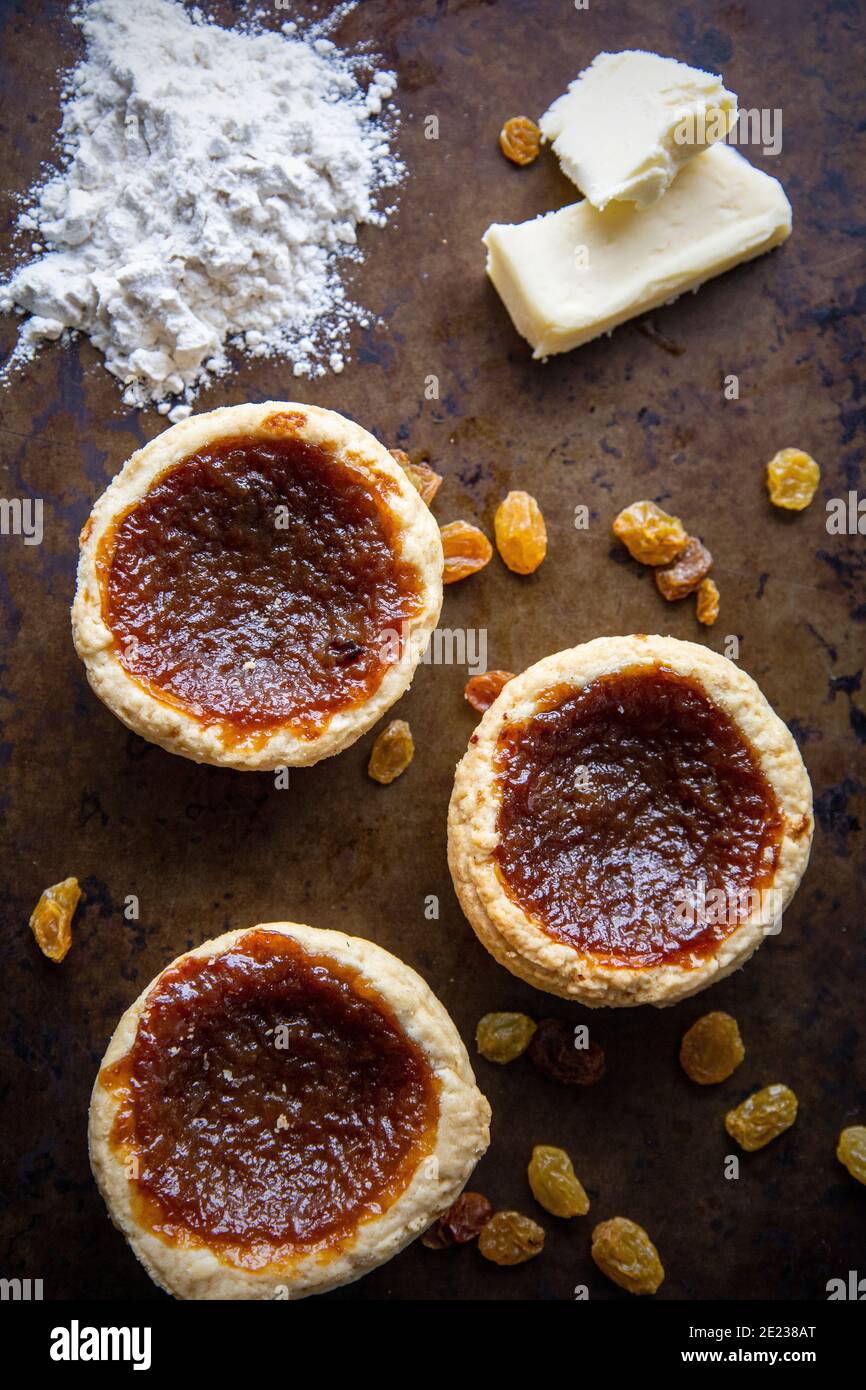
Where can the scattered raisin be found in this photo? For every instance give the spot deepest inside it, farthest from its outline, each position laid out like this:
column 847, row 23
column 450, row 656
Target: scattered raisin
column 624, row 1252
column 554, row 1182
column 502, row 1037
column 553, row 1051
column 712, row 1049
column 685, row 573
column 481, row 691
column 792, row 478
column 466, row 550
column 520, row 140
column 509, row 1239
column 649, row 534
column 762, row 1117
column 708, row 602
column 851, row 1151
column 426, row 480
column 463, row 1221
column 521, row 535
column 434, row 1238
column 51, row 919
column 392, row 752
column 423, row 478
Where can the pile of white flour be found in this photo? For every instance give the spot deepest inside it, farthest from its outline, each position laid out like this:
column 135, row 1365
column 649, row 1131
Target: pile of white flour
column 211, row 188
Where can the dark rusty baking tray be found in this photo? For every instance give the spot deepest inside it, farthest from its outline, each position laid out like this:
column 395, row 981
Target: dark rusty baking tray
column 640, row 414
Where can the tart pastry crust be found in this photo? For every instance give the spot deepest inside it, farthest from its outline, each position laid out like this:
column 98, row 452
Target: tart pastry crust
column 172, row 724
column 519, row 942
column 461, row 1135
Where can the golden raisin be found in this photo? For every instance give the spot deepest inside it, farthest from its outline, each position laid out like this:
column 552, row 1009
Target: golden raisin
column 51, row 919
column 624, row 1252
column 520, row 140
column 392, row 752
column 792, row 478
column 712, row 1049
column 481, row 691
column 762, row 1117
column 554, row 1182
column 502, row 1037
column 708, row 602
column 685, row 573
column 423, row 478
column 461, row 1223
column 521, row 535
column 649, row 534
column 851, row 1151
column 510, row 1239
column 466, row 550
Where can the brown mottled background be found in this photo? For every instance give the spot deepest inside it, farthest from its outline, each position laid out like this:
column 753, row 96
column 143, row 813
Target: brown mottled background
column 206, row 850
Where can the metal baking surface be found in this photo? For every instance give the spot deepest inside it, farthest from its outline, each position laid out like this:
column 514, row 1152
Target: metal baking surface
column 640, row 414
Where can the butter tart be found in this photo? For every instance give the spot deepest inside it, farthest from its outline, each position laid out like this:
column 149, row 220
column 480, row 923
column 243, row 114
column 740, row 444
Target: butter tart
column 280, row 1111
column 629, row 822
column 257, row 586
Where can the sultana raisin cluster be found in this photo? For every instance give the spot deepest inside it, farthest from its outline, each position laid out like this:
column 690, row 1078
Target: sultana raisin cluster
column 466, row 550
column 521, row 535
column 510, row 1239
column 624, row 1252
column 51, row 919
column 502, row 1037
column 681, row 562
column 712, row 1049
column 520, row 140
column 762, row 1117
column 392, row 752
column 554, row 1052
column 554, row 1183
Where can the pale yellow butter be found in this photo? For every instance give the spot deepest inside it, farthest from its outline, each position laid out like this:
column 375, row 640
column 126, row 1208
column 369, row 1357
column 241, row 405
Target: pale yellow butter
column 571, row 275
column 630, row 121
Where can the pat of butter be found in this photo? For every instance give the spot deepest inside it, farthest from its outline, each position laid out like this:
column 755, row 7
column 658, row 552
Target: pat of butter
column 571, row 275
column 630, row 121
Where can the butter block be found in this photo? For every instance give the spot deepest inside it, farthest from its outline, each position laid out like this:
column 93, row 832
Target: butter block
column 569, row 276
column 630, row 121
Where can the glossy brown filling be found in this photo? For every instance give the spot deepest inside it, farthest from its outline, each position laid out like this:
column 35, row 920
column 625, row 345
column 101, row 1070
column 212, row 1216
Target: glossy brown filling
column 269, row 1102
column 635, row 822
column 259, row 583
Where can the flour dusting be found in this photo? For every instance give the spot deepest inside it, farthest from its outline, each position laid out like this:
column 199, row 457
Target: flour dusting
column 211, row 188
